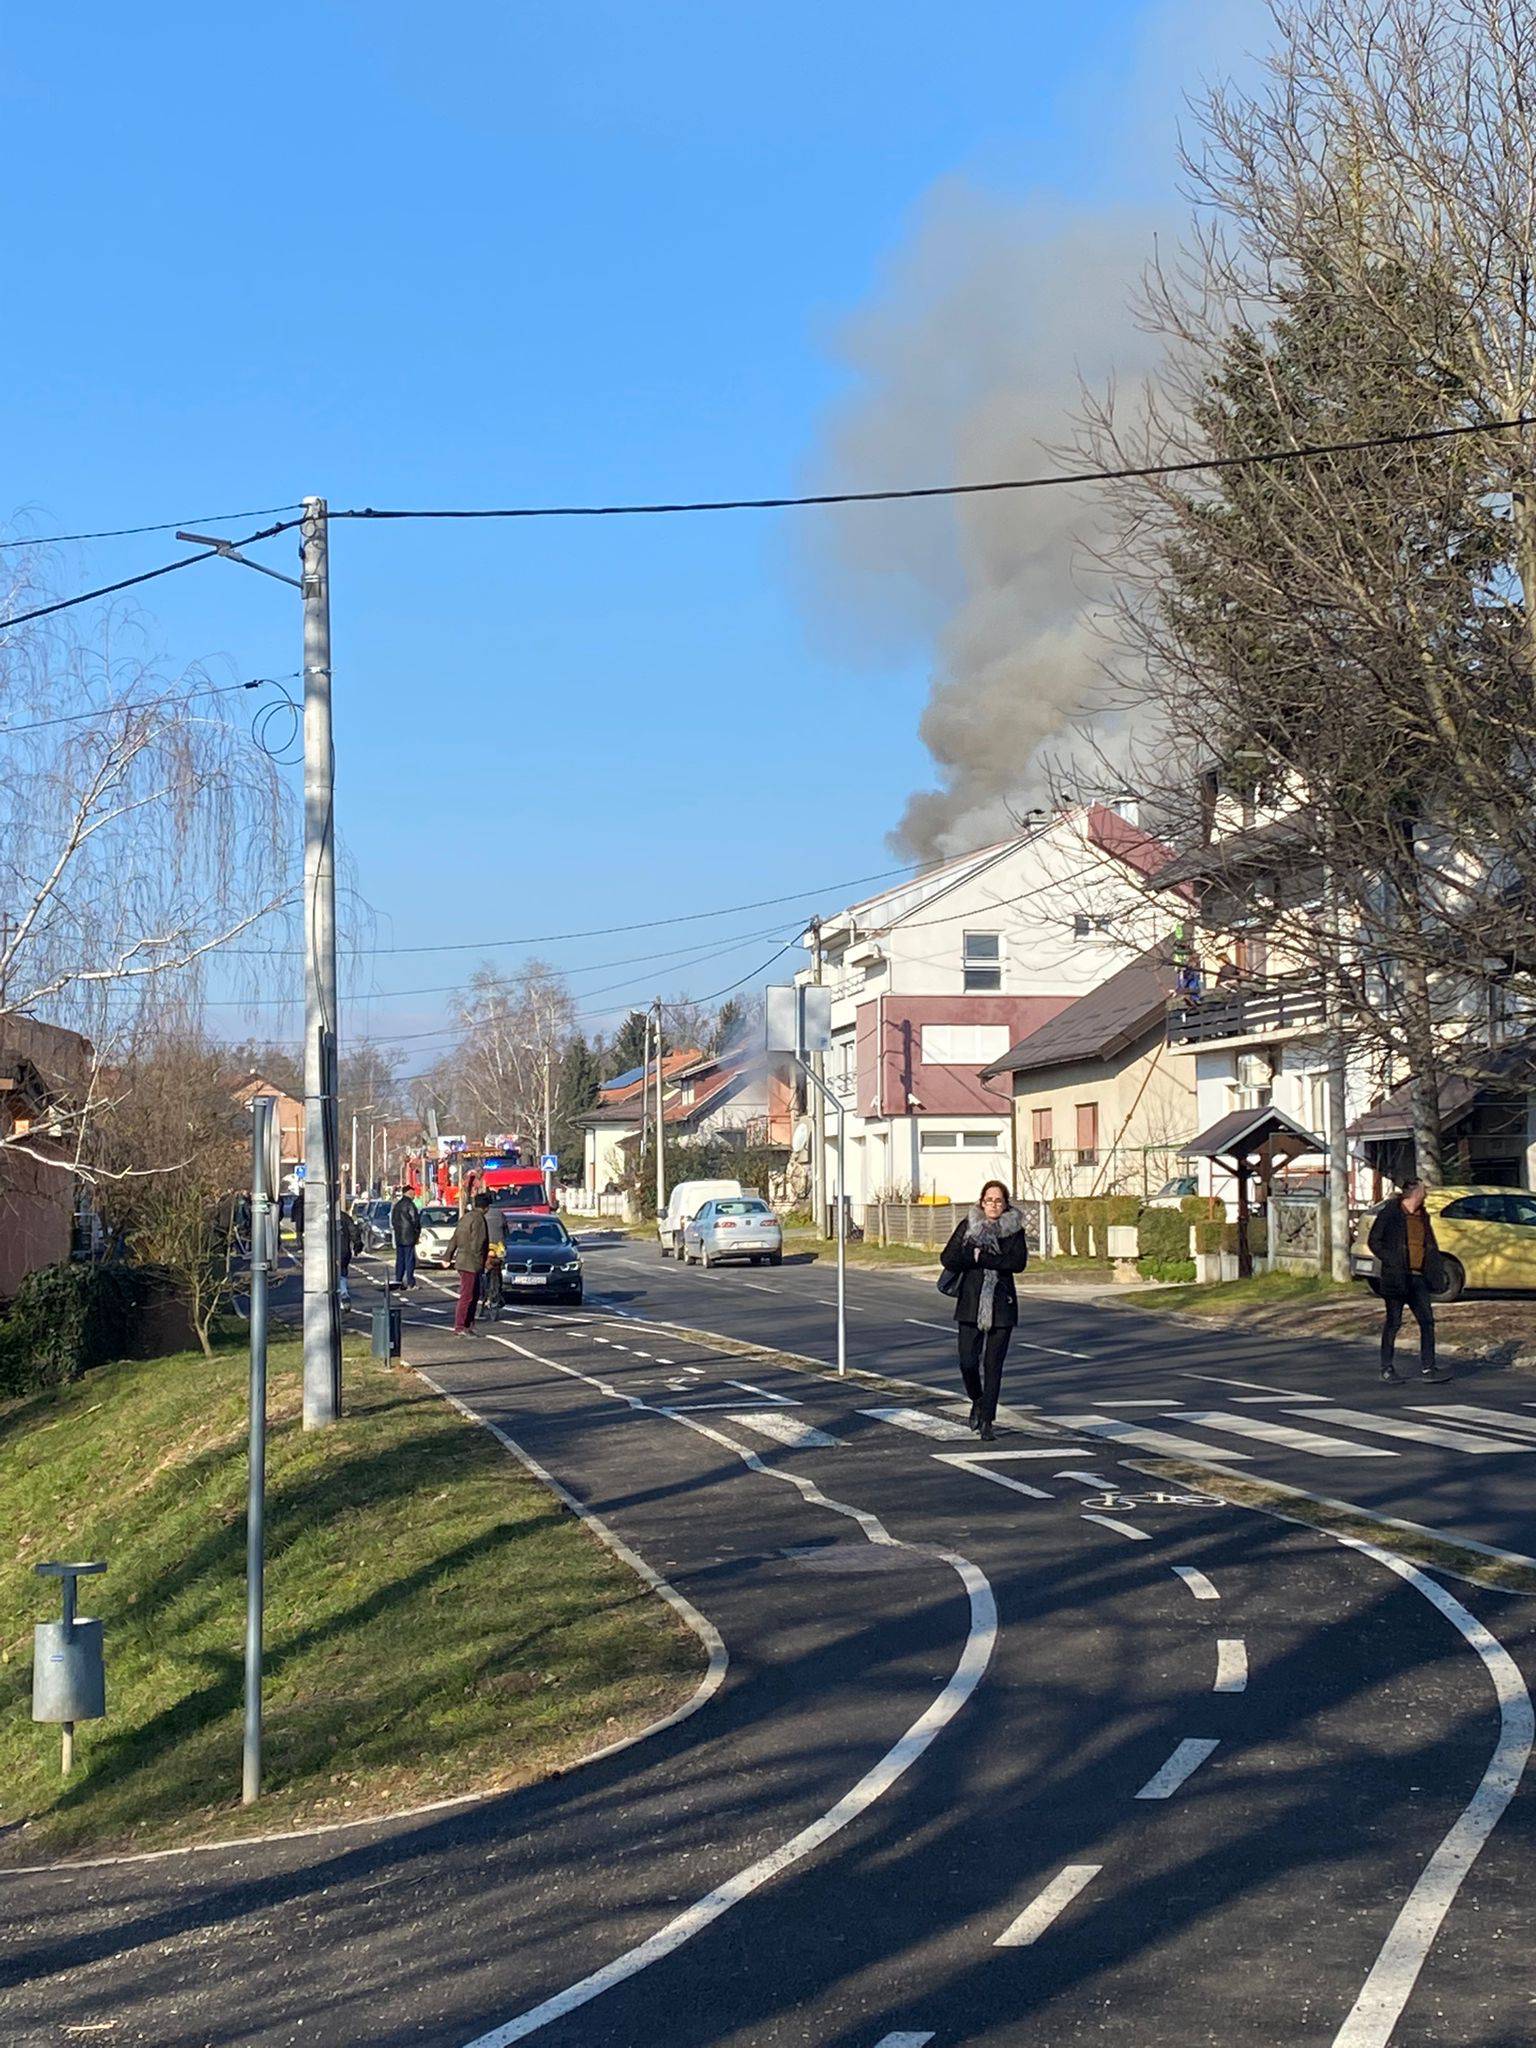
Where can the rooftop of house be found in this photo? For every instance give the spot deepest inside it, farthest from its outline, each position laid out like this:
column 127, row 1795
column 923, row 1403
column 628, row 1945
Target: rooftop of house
column 1107, row 1021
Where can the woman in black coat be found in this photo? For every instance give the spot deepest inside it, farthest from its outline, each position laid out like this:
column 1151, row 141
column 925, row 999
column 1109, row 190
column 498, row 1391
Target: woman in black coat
column 983, row 1255
column 1402, row 1241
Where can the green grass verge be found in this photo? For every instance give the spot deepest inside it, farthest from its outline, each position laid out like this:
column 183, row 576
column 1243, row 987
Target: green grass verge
column 1230, row 1298
column 869, row 1253
column 436, row 1622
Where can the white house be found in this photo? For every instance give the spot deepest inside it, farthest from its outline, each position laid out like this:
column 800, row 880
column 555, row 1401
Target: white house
column 935, row 979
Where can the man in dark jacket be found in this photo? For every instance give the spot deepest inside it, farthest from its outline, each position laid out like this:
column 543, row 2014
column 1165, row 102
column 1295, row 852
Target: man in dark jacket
column 983, row 1255
column 405, row 1228
column 466, row 1254
column 1402, row 1241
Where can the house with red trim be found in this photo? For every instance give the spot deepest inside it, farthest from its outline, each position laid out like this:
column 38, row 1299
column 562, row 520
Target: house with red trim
column 935, row 979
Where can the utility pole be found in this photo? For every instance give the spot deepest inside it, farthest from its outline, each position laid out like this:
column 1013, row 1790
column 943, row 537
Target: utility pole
column 322, row 1310
column 263, row 1251
column 645, row 1095
column 1338, row 1140
column 818, row 1105
column 661, row 1141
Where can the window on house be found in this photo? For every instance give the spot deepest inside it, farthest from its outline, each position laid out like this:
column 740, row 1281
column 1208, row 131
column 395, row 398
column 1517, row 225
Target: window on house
column 1086, row 927
column 981, row 1141
column 981, row 959
column 939, row 1141
column 1040, row 1136
column 1087, row 1133
column 963, row 1045
column 960, row 1141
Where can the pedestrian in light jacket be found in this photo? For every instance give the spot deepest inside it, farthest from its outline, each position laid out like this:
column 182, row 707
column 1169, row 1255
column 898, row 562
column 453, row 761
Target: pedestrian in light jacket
column 1402, row 1241
column 466, row 1254
column 405, row 1228
column 983, row 1254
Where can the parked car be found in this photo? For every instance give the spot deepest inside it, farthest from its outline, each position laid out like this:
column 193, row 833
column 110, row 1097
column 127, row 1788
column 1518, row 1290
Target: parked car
column 686, row 1200
column 734, row 1227
column 438, row 1223
column 541, row 1259
column 1487, row 1237
column 1174, row 1191
column 370, row 1225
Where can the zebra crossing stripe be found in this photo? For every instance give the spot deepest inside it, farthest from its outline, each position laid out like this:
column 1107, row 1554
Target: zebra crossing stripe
column 1145, row 1439
column 1493, row 1418
column 1420, row 1432
column 786, row 1429
column 921, row 1423
column 1282, row 1434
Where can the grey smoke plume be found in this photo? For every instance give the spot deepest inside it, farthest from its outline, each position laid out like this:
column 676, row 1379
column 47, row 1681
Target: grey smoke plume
column 969, row 364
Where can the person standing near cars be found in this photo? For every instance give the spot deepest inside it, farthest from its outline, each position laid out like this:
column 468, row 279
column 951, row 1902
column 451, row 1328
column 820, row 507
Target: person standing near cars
column 343, row 1227
column 983, row 1255
column 1402, row 1241
column 492, row 1295
column 467, row 1255
column 405, row 1229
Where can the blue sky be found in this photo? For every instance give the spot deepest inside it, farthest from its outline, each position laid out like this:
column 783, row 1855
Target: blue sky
column 483, row 254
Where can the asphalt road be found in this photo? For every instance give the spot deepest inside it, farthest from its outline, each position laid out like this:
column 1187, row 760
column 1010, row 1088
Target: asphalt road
column 991, row 1762
column 1459, row 1458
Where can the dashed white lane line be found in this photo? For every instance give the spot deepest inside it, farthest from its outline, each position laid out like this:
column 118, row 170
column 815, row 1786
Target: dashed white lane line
column 973, row 1462
column 1186, row 1759
column 1373, row 2018
column 757, row 1287
column 787, row 1429
column 1048, row 1905
column 1263, row 1400
column 1196, row 1581
column 1095, row 1480
column 1120, row 1528
column 921, row 1323
column 1423, row 1433
column 1283, row 1434
column 1145, row 1439
column 1216, row 1379
column 980, row 1641
column 920, row 1423
column 1231, row 1665
column 903, row 2041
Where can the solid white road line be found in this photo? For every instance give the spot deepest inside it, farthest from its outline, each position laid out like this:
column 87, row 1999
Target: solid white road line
column 787, row 1429
column 1046, row 1906
column 1217, row 1379
column 919, row 1422
column 974, row 1464
column 781, row 1400
column 1375, row 2013
column 1231, row 1665
column 1423, row 1433
column 1196, row 1581
column 1496, row 1418
column 1189, row 1756
column 1120, row 1528
column 980, row 1641
column 1145, row 1439
column 1095, row 1480
column 920, row 1323
column 1282, row 1434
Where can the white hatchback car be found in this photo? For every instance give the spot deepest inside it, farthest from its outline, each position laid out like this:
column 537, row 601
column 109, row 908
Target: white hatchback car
column 438, row 1223
column 733, row 1227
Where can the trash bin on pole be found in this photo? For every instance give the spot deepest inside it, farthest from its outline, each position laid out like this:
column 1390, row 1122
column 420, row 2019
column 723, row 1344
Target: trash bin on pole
column 69, row 1681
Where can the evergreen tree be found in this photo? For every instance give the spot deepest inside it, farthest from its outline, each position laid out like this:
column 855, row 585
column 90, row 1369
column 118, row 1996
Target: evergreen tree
column 628, row 1047
column 575, row 1094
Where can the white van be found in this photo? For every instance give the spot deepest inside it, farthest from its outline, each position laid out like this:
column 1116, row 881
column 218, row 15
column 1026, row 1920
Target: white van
column 683, row 1204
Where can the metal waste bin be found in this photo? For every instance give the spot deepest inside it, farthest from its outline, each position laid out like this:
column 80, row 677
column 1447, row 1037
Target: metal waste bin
column 69, row 1682
column 386, row 1329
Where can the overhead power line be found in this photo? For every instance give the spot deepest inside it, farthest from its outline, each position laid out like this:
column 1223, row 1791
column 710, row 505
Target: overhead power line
column 1303, row 452
column 148, row 704
column 54, row 540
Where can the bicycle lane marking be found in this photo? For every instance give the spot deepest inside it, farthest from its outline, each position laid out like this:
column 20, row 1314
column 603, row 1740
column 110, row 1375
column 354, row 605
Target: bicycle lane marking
column 981, row 1639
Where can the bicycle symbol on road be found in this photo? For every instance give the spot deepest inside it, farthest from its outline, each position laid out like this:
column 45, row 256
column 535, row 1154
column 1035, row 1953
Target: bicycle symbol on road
column 1121, row 1502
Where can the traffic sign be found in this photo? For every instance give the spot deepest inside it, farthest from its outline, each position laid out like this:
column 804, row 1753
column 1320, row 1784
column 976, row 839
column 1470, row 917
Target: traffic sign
column 300, row 1171
column 550, row 1163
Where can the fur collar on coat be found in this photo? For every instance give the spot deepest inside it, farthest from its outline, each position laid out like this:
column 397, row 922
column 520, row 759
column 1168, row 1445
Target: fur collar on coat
column 1005, row 1226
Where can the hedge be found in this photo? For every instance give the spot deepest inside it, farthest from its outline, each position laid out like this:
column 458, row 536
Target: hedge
column 1258, row 1236
column 1210, row 1236
column 63, row 1321
column 1120, row 1210
column 1166, row 1269
column 1200, row 1208
column 1162, row 1234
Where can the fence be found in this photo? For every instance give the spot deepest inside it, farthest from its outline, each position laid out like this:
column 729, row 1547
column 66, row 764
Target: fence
column 930, row 1223
column 580, row 1203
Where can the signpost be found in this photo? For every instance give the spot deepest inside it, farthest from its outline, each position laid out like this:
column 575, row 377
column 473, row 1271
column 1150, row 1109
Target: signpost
column 797, row 1023
column 265, row 1167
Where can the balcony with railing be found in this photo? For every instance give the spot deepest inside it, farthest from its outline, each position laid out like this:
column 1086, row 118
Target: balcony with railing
column 843, row 1085
column 1275, row 1008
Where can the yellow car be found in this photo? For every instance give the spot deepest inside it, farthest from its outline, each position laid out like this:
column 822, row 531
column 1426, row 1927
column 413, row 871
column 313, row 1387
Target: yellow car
column 1487, row 1237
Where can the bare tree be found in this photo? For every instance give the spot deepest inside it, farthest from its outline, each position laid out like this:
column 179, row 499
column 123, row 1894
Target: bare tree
column 141, row 830
column 505, row 1068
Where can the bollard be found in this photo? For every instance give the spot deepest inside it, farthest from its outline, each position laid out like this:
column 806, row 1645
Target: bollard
column 68, row 1676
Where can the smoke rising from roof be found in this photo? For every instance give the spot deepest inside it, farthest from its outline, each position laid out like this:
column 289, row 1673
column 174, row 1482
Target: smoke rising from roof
column 968, row 365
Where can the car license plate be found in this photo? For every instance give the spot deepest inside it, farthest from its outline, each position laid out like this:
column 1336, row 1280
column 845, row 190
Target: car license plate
column 529, row 1279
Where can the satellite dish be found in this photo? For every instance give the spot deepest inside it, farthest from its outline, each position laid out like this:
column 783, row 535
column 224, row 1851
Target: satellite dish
column 802, row 1136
